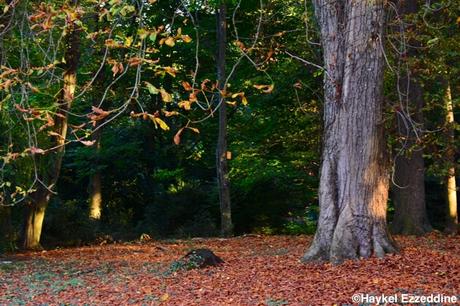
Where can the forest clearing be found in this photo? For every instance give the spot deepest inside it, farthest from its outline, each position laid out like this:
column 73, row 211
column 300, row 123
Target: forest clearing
column 258, row 270
column 229, row 152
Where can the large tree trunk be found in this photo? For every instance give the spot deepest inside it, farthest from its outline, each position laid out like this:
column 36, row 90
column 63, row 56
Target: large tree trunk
column 451, row 185
column 221, row 152
column 408, row 192
column 36, row 206
column 354, row 181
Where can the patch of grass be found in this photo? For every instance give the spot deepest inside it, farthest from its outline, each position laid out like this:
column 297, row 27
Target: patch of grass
column 44, row 276
column 153, row 268
column 273, row 302
column 104, row 269
column 64, row 285
column 180, row 265
column 10, row 266
column 150, row 298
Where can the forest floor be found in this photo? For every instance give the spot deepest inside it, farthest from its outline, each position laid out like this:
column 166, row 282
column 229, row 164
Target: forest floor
column 258, row 270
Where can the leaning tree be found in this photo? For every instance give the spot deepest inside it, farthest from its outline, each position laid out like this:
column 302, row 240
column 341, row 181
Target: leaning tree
column 354, row 180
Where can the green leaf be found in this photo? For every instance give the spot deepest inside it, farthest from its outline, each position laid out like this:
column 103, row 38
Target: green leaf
column 432, row 41
column 152, row 89
column 153, row 36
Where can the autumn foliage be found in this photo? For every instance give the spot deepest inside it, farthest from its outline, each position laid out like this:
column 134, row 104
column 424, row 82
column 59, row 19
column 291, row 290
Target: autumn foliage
column 258, row 270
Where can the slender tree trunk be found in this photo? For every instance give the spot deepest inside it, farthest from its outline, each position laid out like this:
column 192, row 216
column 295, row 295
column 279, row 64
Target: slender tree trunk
column 35, row 214
column 408, row 193
column 95, row 187
column 6, row 228
column 36, row 207
column 221, row 152
column 95, row 196
column 354, row 181
column 451, row 186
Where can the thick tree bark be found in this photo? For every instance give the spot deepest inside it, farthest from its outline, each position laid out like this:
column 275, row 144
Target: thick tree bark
column 36, row 206
column 408, row 192
column 451, row 185
column 354, row 181
column 221, row 152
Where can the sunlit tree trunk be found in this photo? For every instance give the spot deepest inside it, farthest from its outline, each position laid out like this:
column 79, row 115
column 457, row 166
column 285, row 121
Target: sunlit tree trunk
column 408, row 192
column 36, row 206
column 95, row 196
column 451, row 186
column 354, row 180
column 95, row 185
column 35, row 214
column 221, row 152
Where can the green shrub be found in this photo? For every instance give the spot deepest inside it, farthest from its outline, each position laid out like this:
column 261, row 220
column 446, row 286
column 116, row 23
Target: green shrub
column 67, row 223
column 302, row 224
